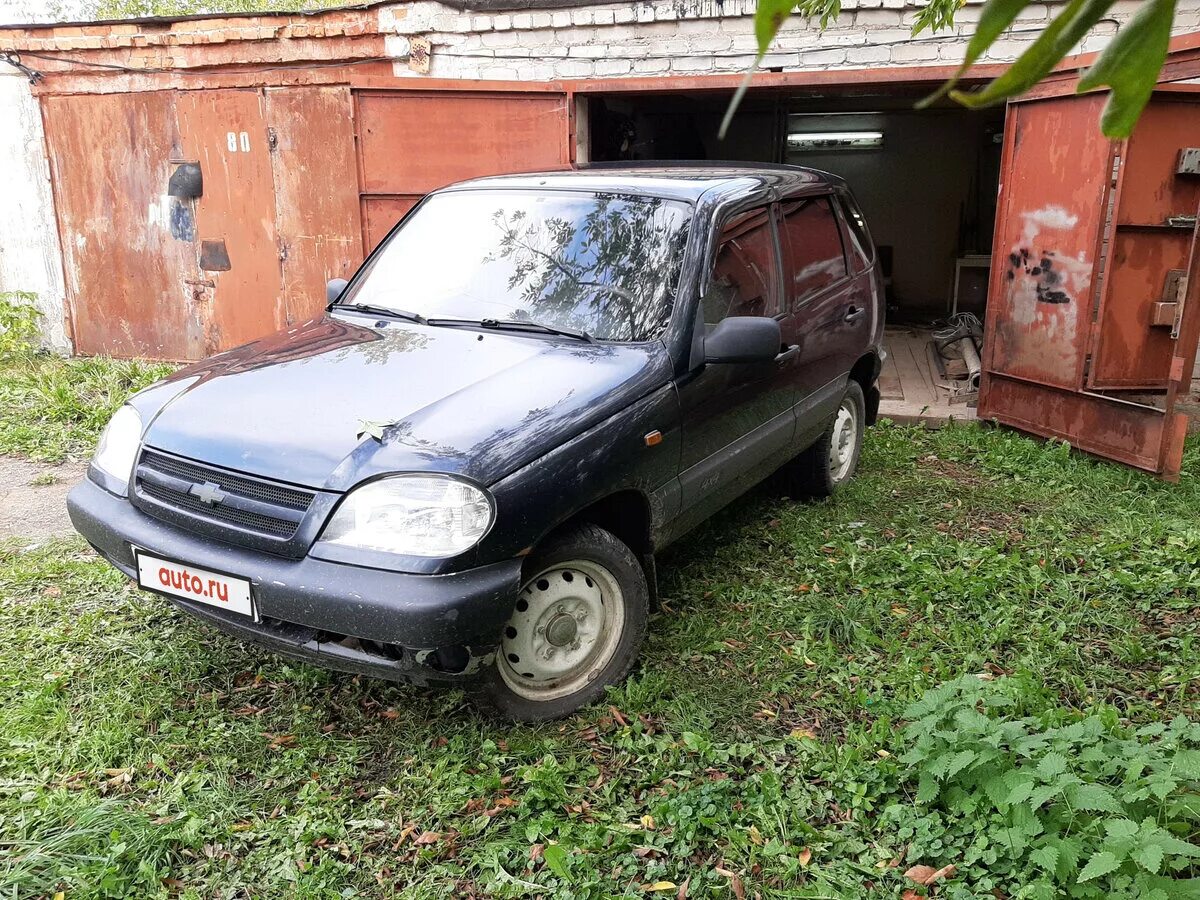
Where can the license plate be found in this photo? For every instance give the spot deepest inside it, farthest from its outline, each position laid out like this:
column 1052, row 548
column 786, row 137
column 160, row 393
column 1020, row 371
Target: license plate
column 193, row 583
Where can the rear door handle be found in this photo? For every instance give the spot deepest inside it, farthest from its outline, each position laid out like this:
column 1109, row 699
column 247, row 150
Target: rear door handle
column 791, row 352
column 854, row 313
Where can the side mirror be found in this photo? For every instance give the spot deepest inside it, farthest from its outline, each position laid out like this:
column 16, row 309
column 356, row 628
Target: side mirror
column 334, row 289
column 743, row 339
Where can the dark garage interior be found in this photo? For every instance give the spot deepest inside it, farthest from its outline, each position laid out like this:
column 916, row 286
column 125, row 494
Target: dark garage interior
column 927, row 181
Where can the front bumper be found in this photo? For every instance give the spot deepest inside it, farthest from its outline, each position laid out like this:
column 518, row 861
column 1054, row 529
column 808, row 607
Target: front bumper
column 395, row 625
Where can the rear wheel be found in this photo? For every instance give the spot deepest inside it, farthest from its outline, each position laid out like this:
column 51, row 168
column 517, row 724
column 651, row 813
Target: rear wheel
column 577, row 627
column 822, row 469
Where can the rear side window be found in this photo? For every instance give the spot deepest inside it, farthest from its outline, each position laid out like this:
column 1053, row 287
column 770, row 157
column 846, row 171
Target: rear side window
column 860, row 238
column 814, row 240
column 745, row 277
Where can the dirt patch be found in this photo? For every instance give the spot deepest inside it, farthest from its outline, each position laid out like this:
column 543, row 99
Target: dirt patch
column 963, row 473
column 33, row 498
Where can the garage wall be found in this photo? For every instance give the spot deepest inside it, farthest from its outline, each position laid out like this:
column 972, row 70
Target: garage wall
column 30, row 257
column 687, row 37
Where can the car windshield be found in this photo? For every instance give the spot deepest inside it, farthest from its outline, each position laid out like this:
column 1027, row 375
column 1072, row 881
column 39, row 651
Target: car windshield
column 605, row 264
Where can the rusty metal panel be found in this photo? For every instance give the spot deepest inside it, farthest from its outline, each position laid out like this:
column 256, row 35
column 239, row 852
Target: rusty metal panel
column 411, row 143
column 316, row 195
column 1148, row 251
column 126, row 244
column 379, row 214
column 1047, row 240
column 226, row 132
column 1126, row 432
column 1054, row 218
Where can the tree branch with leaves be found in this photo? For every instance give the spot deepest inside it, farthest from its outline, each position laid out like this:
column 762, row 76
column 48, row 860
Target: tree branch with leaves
column 1129, row 66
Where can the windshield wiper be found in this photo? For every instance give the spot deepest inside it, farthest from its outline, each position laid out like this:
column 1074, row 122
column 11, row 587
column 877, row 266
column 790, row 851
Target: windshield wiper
column 515, row 325
column 386, row 311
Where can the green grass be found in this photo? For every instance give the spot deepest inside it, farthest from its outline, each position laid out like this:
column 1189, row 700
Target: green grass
column 142, row 755
column 53, row 409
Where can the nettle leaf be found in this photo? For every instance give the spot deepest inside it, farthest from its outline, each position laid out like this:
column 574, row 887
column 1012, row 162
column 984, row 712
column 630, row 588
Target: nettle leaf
column 959, row 761
column 927, row 789
column 1045, row 857
column 1187, row 764
column 1101, row 863
column 1094, row 798
column 1130, row 64
column 1149, row 857
column 1121, row 829
column 1059, row 37
column 1051, row 764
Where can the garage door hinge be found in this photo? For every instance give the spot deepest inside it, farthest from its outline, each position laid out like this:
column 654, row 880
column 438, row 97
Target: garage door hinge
column 272, row 139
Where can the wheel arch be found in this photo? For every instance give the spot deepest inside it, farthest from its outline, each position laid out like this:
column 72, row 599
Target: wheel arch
column 866, row 372
column 626, row 514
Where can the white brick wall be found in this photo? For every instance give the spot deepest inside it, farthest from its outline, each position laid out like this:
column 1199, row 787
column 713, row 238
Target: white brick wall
column 704, row 36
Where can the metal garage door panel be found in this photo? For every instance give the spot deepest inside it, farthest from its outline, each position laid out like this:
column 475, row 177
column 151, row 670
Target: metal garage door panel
column 226, row 131
column 380, row 214
column 1051, row 228
column 1130, row 351
column 126, row 245
column 316, row 199
column 411, row 143
column 1056, row 178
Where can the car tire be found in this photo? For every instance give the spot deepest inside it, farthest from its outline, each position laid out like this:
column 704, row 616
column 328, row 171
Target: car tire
column 577, row 627
column 825, row 467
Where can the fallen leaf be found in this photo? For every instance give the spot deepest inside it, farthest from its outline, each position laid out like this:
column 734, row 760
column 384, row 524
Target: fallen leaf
column 805, row 856
column 648, row 822
column 756, row 835
column 681, row 894
column 920, row 874
column 943, row 873
column 535, row 852
column 616, row 714
column 659, row 886
column 428, row 837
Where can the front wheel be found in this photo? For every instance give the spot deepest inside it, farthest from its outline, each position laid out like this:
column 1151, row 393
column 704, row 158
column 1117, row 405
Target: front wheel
column 577, row 627
column 822, row 469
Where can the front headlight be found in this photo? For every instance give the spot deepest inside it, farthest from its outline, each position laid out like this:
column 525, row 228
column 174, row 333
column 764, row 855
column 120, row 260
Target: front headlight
column 413, row 515
column 119, row 444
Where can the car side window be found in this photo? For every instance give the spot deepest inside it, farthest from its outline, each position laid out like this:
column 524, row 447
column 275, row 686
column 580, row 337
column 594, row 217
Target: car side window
column 814, row 241
column 860, row 238
column 745, row 276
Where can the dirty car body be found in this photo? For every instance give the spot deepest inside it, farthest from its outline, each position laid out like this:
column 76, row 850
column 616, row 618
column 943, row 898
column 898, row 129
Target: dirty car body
column 563, row 378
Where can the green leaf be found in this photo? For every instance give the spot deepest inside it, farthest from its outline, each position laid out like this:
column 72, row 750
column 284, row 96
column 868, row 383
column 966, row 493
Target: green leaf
column 1094, row 798
column 927, row 788
column 1051, row 764
column 1149, row 857
column 996, row 16
column 1058, row 38
column 1045, row 857
column 1130, row 64
column 1121, row 829
column 372, row 428
column 959, row 761
column 556, row 860
column 768, row 19
column 1187, row 764
column 1100, row 864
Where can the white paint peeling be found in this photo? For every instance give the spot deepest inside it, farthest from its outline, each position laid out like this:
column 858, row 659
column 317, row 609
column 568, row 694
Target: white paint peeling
column 30, row 255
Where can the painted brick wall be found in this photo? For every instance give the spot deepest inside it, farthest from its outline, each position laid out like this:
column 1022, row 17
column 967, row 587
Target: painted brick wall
column 684, row 37
column 30, row 258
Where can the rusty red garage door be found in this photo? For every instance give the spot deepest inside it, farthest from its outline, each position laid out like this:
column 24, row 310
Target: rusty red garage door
column 162, row 268
column 411, row 142
column 1092, row 320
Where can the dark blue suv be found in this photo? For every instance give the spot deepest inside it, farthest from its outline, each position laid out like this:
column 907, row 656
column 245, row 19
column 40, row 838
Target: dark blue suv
column 464, row 470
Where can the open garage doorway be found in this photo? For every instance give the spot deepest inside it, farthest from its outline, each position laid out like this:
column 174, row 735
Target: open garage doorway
column 927, row 181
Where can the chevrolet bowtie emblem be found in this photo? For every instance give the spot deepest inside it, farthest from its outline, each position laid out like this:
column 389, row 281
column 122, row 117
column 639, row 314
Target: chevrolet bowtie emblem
column 208, row 493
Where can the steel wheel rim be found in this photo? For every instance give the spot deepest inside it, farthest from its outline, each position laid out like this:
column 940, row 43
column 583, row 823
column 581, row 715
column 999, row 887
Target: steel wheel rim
column 843, row 440
column 565, row 629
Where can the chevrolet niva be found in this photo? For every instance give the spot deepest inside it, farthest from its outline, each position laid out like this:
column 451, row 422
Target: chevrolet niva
column 463, row 472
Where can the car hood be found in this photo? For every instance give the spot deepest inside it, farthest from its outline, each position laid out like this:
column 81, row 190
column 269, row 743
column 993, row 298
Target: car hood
column 305, row 405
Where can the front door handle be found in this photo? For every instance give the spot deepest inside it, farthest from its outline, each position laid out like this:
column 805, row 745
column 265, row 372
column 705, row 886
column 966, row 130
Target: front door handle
column 854, row 313
column 791, row 352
